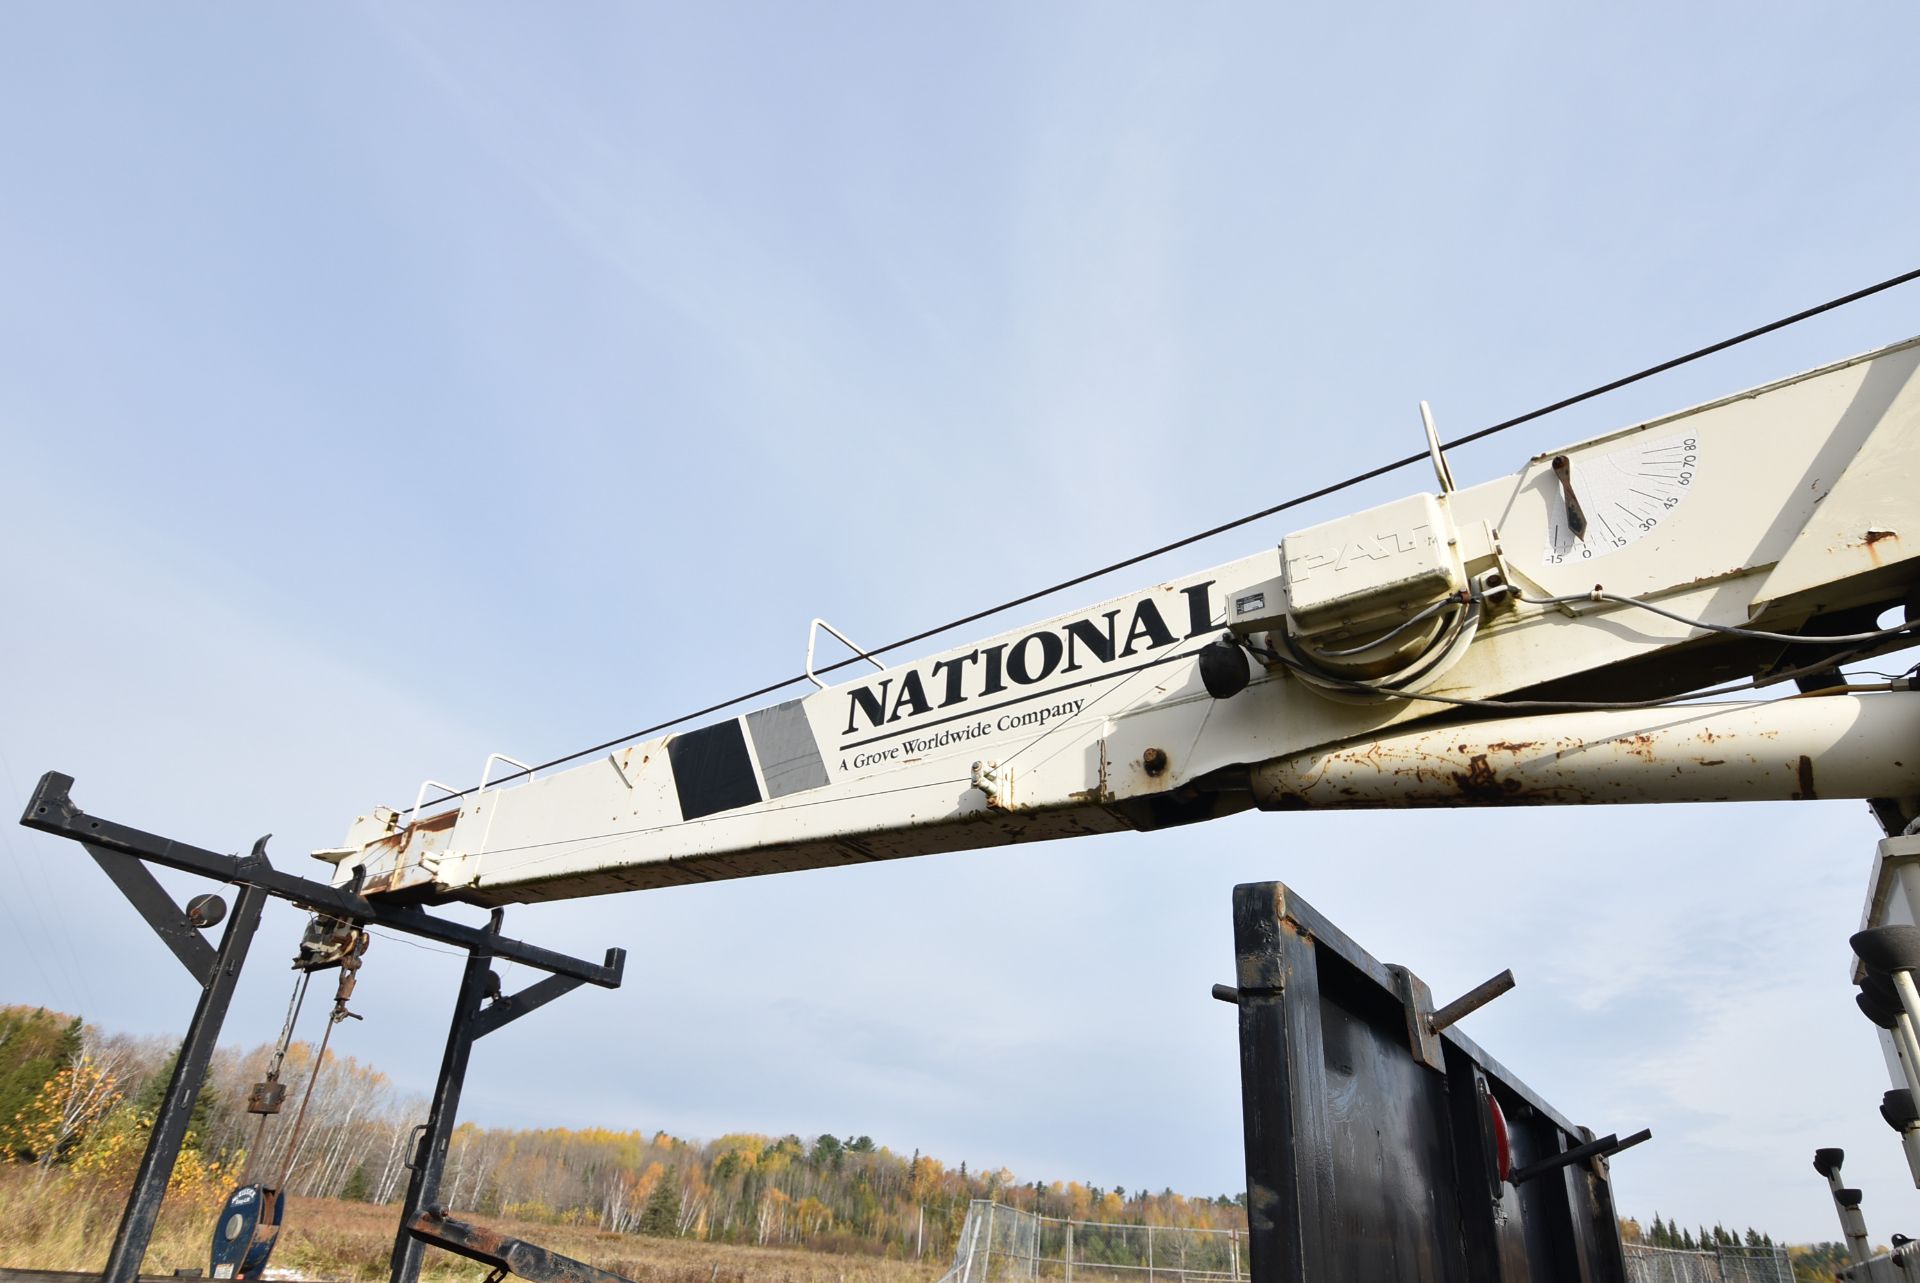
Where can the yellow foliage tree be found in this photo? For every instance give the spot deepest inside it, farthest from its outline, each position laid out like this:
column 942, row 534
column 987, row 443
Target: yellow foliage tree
column 64, row 1110
column 111, row 1153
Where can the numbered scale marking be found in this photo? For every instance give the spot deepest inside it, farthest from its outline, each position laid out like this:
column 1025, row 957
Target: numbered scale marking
column 1624, row 494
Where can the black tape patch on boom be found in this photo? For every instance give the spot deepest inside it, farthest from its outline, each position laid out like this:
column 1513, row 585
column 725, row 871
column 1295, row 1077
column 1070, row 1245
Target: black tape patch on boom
column 711, row 770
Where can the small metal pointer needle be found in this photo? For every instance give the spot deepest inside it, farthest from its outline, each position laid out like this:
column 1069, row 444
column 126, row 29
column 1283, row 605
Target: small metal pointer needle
column 1576, row 515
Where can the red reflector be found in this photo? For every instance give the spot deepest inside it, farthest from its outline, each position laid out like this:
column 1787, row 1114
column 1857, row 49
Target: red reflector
column 1502, row 1148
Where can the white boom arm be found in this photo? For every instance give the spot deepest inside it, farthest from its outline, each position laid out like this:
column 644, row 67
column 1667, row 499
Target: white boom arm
column 1789, row 507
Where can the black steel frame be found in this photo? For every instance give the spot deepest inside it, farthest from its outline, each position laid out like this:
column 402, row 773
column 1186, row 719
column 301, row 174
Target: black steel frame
column 1370, row 1150
column 123, row 852
column 505, row 1254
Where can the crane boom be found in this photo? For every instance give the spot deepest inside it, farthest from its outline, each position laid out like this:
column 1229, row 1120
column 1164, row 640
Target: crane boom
column 1384, row 658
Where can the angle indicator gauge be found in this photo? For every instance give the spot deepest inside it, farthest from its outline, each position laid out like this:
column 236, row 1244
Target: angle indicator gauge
column 1605, row 500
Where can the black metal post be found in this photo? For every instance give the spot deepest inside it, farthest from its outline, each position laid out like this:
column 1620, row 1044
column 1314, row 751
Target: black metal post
column 430, row 1158
column 176, row 1108
column 1291, row 1225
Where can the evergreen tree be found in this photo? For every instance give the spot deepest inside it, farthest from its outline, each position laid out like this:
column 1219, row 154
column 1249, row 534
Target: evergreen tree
column 1658, row 1234
column 35, row 1044
column 359, row 1186
column 1686, row 1240
column 154, row 1094
column 661, row 1216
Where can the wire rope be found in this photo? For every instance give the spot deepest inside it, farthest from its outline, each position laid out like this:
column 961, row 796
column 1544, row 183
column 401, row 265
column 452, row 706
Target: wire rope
column 279, row 1058
column 298, row 1131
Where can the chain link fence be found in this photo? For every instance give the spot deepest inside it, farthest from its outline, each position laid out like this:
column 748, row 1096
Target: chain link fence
column 1721, row 1265
column 1004, row 1245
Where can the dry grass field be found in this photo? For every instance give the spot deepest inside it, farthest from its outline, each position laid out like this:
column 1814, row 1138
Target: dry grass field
column 58, row 1223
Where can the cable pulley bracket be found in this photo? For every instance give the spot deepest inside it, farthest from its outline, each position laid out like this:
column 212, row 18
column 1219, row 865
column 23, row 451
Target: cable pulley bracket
column 330, row 942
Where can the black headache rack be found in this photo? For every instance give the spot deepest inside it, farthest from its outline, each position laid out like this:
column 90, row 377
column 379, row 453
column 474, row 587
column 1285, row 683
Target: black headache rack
column 1383, row 1145
column 480, row 1008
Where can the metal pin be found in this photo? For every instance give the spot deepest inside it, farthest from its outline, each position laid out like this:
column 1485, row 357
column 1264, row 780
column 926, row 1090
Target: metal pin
column 1604, row 1147
column 1470, row 1001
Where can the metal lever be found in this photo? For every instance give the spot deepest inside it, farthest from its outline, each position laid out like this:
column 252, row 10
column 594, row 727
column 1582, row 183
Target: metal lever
column 1424, row 1023
column 1576, row 515
column 1600, row 1148
column 1471, row 1001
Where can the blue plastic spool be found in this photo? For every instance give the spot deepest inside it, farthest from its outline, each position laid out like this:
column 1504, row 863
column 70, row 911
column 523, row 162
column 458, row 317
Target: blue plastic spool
column 244, row 1235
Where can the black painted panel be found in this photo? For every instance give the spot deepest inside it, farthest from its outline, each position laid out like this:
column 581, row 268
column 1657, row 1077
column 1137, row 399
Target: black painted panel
column 1365, row 1164
column 711, row 770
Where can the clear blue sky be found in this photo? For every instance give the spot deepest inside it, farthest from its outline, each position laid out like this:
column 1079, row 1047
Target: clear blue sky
column 382, row 386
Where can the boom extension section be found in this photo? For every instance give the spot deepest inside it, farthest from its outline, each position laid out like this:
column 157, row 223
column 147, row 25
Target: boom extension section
column 1325, row 672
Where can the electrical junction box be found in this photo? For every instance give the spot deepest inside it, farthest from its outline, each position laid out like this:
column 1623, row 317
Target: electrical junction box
column 1368, row 571
column 1257, row 607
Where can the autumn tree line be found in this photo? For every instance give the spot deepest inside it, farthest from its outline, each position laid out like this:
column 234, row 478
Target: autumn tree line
column 75, row 1098
column 1811, row 1262
column 1670, row 1234
column 79, row 1101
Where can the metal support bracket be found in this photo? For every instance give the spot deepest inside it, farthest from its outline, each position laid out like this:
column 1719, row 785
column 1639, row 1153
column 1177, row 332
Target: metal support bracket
column 222, row 976
column 167, row 919
column 1417, row 1001
column 506, row 1255
column 1424, row 1023
column 478, row 1011
column 124, row 852
column 51, row 810
column 504, row 1011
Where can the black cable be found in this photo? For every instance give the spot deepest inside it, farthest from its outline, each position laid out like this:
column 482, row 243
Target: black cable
column 1235, row 524
column 1682, row 700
